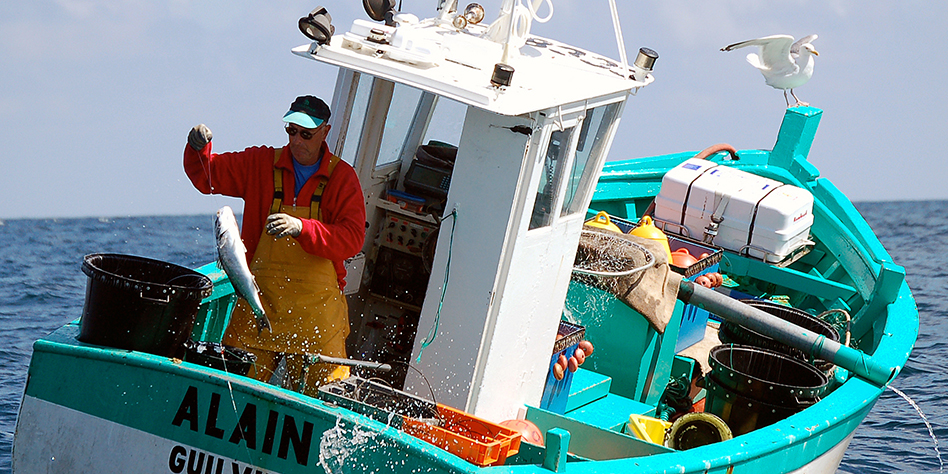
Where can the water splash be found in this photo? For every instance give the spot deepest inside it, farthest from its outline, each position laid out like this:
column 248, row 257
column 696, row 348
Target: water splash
column 337, row 444
column 931, row 432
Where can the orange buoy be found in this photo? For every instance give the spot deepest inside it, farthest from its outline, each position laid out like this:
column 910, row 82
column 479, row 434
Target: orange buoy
column 528, row 431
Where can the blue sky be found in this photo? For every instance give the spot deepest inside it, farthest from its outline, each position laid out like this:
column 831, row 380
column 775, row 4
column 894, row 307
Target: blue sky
column 97, row 96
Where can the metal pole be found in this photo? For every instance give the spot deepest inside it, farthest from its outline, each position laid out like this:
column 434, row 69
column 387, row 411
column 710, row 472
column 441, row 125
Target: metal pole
column 788, row 333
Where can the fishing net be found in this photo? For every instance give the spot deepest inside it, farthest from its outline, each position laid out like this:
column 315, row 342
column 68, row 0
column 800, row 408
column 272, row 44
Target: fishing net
column 603, row 258
column 633, row 269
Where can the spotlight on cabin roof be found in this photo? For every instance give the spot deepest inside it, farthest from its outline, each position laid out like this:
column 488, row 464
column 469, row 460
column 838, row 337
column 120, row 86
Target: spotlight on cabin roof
column 380, row 10
column 317, row 26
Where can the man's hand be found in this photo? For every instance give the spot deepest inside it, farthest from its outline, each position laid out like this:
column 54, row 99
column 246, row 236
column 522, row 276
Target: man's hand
column 199, row 137
column 282, row 225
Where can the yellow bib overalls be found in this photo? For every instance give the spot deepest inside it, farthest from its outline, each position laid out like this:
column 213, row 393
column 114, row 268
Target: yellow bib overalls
column 301, row 296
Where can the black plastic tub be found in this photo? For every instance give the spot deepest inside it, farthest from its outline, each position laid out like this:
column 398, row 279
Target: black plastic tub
column 750, row 387
column 140, row 304
column 218, row 356
column 735, row 334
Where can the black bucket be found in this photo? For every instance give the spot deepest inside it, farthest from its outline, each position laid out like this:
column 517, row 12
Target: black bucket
column 219, row 356
column 140, row 304
column 732, row 333
column 750, row 387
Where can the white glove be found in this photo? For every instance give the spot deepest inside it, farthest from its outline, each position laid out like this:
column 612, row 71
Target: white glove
column 282, row 225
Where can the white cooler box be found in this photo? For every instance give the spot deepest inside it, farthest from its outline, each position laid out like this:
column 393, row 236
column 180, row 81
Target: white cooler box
column 762, row 218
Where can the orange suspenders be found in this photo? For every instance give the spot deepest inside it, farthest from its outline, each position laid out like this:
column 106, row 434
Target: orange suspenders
column 317, row 197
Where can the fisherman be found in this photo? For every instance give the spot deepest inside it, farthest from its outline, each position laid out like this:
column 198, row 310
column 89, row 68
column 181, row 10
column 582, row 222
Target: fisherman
column 304, row 215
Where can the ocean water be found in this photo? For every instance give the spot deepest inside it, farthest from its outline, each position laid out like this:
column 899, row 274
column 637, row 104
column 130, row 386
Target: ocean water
column 42, row 287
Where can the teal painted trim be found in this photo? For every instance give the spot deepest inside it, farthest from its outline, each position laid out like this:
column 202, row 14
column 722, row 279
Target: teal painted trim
column 587, row 387
column 843, row 245
column 837, row 204
column 795, row 136
column 796, row 440
column 610, row 412
column 557, row 445
column 592, row 442
column 146, row 392
column 135, row 380
column 682, row 367
column 901, row 329
column 736, row 265
column 890, row 279
column 214, row 312
column 218, row 278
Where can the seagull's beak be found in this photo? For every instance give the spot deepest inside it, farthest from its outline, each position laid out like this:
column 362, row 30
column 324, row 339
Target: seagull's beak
column 815, row 53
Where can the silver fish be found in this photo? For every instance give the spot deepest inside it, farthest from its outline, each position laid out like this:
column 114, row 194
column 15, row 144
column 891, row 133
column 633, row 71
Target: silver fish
column 231, row 257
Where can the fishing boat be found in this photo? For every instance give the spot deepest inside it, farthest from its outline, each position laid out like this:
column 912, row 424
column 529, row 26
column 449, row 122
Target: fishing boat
column 481, row 150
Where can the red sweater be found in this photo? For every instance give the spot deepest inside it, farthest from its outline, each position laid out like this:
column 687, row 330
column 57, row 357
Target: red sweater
column 248, row 175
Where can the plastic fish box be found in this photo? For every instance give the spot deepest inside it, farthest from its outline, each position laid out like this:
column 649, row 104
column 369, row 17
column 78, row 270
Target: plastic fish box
column 474, row 439
column 761, row 218
column 694, row 320
column 377, row 401
column 556, row 392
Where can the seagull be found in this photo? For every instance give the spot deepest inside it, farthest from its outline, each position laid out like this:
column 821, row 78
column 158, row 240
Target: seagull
column 785, row 65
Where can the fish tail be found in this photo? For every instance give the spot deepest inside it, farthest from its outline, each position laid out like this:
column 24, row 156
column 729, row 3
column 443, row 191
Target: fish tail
column 262, row 323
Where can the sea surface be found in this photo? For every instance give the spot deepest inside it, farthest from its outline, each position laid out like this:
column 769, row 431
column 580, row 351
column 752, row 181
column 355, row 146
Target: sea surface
column 42, row 287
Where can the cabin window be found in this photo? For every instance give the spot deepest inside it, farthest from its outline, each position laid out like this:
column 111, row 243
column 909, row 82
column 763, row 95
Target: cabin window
column 557, row 152
column 349, row 149
column 398, row 124
column 589, row 148
column 447, row 121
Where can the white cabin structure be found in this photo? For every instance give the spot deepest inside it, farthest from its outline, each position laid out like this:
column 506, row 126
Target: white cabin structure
column 468, row 287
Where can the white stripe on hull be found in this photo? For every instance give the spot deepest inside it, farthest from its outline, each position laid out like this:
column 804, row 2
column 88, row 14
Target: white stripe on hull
column 829, row 461
column 67, row 441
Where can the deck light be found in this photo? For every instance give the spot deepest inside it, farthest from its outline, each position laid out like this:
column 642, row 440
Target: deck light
column 380, row 10
column 317, row 26
column 643, row 64
column 474, row 13
column 502, row 76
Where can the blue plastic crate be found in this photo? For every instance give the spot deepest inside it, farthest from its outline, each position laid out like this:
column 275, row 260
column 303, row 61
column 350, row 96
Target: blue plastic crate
column 694, row 320
column 556, row 392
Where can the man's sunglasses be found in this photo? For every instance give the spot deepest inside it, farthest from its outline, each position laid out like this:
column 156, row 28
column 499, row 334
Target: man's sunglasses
column 305, row 135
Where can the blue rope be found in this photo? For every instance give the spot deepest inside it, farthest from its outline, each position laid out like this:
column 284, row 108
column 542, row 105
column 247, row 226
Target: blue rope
column 433, row 332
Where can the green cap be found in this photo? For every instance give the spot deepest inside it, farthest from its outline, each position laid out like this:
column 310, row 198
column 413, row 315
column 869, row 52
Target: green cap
column 308, row 112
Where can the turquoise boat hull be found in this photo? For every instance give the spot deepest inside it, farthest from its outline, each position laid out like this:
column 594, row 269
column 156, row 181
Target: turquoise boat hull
column 89, row 408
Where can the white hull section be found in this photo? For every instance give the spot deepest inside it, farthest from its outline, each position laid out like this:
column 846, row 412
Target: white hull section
column 71, row 442
column 829, row 461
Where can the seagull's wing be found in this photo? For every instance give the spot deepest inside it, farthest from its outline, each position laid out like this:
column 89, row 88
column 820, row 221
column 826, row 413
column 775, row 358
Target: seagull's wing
column 795, row 48
column 774, row 52
column 759, row 42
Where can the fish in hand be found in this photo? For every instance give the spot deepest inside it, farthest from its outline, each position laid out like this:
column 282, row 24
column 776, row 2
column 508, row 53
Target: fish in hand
column 232, row 258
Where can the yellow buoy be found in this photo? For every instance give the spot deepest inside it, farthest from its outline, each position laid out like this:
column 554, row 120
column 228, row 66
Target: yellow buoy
column 602, row 221
column 647, row 230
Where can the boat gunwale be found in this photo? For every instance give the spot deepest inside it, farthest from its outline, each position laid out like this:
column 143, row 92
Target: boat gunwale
column 62, row 342
column 850, row 402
